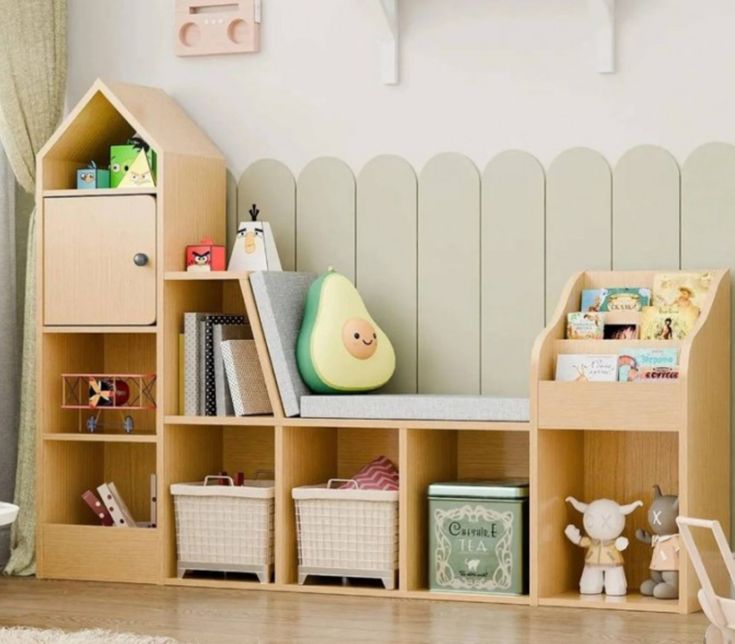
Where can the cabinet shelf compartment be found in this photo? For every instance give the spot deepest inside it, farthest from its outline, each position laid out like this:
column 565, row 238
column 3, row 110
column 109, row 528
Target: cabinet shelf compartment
column 70, row 468
column 91, row 129
column 312, row 456
column 95, row 353
column 199, row 451
column 200, row 297
column 589, row 465
column 435, row 455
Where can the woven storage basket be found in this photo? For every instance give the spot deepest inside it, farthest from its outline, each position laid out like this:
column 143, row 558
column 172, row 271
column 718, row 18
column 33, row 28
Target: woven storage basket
column 347, row 532
column 225, row 528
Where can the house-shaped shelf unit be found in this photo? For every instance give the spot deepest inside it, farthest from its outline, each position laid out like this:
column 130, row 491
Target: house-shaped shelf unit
column 616, row 440
column 101, row 312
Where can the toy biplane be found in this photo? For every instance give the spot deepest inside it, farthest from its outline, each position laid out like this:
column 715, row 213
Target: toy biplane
column 108, row 392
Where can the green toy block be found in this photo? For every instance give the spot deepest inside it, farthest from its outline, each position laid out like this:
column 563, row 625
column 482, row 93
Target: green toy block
column 123, row 156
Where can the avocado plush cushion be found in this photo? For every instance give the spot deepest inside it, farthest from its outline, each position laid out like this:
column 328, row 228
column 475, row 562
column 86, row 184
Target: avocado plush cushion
column 340, row 348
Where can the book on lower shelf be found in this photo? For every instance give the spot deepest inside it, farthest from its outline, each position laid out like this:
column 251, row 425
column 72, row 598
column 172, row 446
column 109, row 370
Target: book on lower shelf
column 572, row 367
column 629, row 365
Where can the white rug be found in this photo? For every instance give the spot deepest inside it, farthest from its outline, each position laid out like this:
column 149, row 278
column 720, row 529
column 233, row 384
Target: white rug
column 97, row 636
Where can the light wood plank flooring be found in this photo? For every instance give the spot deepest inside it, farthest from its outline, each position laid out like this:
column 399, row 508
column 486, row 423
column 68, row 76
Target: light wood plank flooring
column 200, row 616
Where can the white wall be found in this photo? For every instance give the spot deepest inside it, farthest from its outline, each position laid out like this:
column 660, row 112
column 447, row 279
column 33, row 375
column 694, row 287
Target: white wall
column 478, row 76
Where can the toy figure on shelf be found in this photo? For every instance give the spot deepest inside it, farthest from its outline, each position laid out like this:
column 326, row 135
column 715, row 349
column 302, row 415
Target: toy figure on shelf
column 205, row 256
column 254, row 248
column 664, row 567
column 604, row 522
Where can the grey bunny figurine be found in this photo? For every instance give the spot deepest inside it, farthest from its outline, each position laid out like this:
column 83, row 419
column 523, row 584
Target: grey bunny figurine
column 664, row 580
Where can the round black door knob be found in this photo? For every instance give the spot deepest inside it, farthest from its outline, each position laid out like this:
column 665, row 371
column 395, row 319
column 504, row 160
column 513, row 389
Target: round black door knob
column 140, row 259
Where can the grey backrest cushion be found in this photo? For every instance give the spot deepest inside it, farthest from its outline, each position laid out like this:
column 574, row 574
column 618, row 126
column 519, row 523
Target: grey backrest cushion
column 280, row 298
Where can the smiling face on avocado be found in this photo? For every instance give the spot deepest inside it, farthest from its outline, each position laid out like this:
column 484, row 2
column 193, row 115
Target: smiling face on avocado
column 360, row 338
column 340, row 347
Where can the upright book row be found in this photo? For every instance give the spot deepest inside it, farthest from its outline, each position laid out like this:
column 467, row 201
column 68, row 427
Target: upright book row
column 219, row 370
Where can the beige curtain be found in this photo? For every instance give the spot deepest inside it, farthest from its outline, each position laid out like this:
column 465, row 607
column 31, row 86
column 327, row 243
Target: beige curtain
column 32, row 86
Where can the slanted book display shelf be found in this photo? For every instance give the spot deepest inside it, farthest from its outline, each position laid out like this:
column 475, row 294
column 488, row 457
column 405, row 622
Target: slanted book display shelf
column 107, row 314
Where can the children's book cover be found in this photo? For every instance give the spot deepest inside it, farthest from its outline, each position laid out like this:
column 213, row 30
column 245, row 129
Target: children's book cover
column 647, row 363
column 615, row 299
column 682, row 291
column 620, row 332
column 667, row 324
column 585, row 326
column 572, row 367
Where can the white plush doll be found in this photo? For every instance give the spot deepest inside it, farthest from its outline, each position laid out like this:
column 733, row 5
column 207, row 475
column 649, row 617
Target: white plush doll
column 604, row 522
column 254, row 249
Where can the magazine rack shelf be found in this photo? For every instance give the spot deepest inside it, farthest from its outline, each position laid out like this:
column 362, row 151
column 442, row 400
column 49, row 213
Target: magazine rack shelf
column 617, row 439
column 676, row 434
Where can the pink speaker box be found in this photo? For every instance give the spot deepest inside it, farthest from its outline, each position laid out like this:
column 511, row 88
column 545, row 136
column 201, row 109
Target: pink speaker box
column 205, row 27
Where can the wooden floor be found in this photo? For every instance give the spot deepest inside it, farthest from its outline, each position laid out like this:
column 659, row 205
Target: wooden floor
column 194, row 615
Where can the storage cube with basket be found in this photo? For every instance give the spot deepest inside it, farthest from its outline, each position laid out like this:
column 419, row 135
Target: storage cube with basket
column 347, row 532
column 225, row 528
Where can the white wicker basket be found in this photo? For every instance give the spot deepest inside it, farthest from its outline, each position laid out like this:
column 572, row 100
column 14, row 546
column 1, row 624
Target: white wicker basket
column 347, row 532
column 225, row 528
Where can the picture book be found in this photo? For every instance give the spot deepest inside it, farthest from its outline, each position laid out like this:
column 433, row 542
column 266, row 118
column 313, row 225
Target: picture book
column 584, row 326
column 620, row 332
column 682, row 291
column 667, row 324
column 640, row 364
column 615, row 299
column 591, row 368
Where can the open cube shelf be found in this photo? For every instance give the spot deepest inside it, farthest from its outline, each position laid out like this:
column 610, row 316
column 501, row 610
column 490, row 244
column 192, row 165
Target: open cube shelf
column 205, row 450
column 435, row 455
column 96, row 354
column 591, row 465
column 221, row 294
column 73, row 467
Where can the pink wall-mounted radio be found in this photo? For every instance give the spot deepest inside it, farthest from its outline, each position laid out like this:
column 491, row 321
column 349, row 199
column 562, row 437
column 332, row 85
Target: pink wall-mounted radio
column 205, row 27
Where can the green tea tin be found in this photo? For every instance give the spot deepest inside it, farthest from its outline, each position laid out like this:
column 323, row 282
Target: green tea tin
column 478, row 536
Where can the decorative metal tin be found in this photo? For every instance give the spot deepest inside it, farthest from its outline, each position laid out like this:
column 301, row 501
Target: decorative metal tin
column 478, row 536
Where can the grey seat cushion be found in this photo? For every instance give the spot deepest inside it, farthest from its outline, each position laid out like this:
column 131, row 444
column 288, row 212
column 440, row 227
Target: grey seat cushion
column 280, row 298
column 416, row 407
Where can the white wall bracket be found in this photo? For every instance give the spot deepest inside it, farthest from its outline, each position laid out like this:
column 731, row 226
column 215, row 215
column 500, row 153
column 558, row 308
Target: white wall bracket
column 603, row 23
column 389, row 41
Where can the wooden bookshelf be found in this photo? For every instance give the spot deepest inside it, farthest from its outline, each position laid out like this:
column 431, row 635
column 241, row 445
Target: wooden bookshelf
column 616, row 440
column 675, row 434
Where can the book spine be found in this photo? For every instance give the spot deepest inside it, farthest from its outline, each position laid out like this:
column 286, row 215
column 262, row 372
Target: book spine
column 118, row 518
column 100, row 511
column 191, row 364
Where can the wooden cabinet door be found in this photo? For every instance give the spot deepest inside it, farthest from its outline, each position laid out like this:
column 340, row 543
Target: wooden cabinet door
column 90, row 273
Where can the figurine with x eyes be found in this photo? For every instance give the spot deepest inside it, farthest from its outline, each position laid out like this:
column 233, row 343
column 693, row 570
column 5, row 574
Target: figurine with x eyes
column 664, row 539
